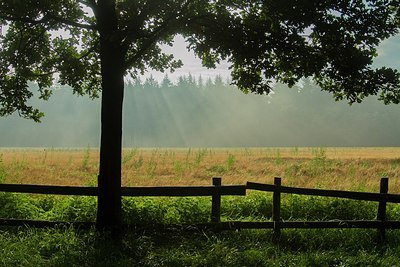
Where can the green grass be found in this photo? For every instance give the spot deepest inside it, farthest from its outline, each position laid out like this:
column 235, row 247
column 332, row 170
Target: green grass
column 255, row 207
column 69, row 247
column 63, row 246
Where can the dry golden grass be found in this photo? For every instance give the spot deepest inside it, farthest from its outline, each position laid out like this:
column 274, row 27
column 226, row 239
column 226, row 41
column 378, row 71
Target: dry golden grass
column 333, row 168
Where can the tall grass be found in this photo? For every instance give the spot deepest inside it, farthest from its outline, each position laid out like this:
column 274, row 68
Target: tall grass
column 176, row 210
column 86, row 158
column 2, row 170
column 331, row 168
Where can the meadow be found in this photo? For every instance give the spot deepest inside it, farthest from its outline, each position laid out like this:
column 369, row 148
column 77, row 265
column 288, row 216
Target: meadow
column 331, row 168
column 314, row 167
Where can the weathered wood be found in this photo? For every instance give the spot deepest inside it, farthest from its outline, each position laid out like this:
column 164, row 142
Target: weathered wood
column 338, row 224
column 233, row 225
column 216, row 201
column 185, row 191
column 299, row 224
column 393, row 198
column 216, row 191
column 196, row 191
column 49, row 189
column 127, row 191
column 327, row 193
column 341, row 224
column 276, row 208
column 260, row 187
column 381, row 216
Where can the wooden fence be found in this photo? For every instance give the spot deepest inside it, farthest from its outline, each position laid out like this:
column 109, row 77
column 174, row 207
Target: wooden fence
column 217, row 190
column 381, row 223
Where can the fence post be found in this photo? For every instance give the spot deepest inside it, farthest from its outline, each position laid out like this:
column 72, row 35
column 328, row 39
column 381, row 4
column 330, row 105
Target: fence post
column 276, row 208
column 384, row 188
column 216, row 201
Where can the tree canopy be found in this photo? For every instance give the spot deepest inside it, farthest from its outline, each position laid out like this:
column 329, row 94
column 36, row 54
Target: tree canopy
column 332, row 41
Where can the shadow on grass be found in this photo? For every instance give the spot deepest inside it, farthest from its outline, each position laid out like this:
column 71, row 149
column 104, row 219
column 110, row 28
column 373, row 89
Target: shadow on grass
column 21, row 246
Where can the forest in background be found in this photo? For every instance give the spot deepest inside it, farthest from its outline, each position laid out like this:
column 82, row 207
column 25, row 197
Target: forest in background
column 196, row 112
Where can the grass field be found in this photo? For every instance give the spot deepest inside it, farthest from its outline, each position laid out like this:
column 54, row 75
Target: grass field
column 333, row 168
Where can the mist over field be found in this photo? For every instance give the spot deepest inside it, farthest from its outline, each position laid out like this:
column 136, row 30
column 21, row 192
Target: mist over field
column 209, row 113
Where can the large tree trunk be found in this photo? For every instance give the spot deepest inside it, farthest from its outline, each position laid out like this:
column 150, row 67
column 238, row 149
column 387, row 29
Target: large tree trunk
column 109, row 179
column 112, row 62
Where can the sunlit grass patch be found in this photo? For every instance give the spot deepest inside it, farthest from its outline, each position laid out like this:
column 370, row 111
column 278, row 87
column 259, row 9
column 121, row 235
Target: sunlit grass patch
column 331, row 168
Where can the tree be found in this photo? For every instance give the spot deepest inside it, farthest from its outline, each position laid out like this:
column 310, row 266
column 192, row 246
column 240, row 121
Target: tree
column 264, row 41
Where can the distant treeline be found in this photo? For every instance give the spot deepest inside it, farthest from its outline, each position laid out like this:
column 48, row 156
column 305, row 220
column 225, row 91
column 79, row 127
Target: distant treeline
column 209, row 113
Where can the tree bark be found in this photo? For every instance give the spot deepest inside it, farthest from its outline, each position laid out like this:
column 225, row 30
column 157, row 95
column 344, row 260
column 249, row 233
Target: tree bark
column 112, row 63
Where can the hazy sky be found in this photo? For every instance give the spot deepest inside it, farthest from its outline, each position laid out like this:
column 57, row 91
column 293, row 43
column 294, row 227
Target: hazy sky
column 389, row 53
column 191, row 63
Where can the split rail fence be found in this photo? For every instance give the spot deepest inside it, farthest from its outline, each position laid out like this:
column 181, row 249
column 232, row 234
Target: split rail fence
column 216, row 191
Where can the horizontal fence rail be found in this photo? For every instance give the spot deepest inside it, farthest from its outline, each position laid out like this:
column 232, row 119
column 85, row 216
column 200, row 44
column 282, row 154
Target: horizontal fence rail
column 49, row 189
column 185, row 191
column 171, row 191
column 326, row 193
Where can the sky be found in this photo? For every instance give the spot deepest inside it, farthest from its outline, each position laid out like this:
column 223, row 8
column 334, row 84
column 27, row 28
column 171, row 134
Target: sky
column 389, row 53
column 191, row 64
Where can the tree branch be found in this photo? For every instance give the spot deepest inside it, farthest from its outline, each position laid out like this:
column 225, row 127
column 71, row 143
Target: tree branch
column 47, row 18
column 154, row 36
column 89, row 51
column 139, row 53
column 23, row 19
column 73, row 23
